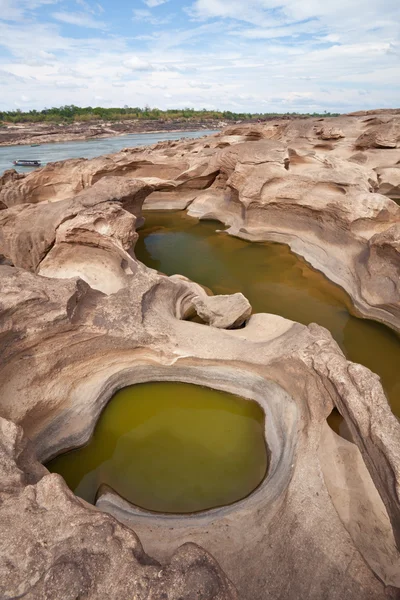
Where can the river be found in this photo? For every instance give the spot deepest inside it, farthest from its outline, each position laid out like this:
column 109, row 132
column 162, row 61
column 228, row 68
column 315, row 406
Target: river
column 85, row 149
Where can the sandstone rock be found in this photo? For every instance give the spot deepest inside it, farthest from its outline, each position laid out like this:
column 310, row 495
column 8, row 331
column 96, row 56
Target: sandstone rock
column 278, row 180
column 87, row 236
column 60, row 547
column 9, row 176
column 136, row 335
column 224, row 312
column 381, row 133
column 389, row 181
column 80, row 318
column 329, row 133
column 319, row 203
column 63, row 180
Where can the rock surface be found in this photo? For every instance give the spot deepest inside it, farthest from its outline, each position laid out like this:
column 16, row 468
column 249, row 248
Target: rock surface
column 81, row 317
column 55, row 546
column 224, row 312
column 323, row 186
column 135, row 335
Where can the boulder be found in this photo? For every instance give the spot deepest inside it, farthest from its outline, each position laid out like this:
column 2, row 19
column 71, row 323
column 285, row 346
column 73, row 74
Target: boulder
column 224, row 312
column 389, row 181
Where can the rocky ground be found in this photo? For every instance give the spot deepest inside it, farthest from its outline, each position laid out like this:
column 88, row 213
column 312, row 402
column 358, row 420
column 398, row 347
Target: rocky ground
column 81, row 317
column 44, row 133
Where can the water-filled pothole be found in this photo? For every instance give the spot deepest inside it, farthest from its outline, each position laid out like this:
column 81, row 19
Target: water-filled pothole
column 171, row 447
column 275, row 281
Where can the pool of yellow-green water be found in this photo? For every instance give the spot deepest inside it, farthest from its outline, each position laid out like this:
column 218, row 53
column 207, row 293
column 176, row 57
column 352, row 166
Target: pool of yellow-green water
column 275, row 281
column 171, row 447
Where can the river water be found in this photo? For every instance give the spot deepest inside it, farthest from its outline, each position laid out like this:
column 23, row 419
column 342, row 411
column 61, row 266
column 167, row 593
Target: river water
column 85, row 149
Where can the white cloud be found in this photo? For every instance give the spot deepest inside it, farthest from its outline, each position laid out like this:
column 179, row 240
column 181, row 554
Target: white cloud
column 67, row 71
column 70, row 85
column 200, row 85
column 347, row 17
column 252, row 56
column 153, row 3
column 79, row 19
column 10, row 10
column 143, row 14
column 138, row 64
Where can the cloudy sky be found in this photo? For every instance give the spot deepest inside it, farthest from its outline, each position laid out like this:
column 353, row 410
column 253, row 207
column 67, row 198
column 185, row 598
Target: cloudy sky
column 253, row 55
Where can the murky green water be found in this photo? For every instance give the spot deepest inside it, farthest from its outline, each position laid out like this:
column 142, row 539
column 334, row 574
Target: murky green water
column 171, row 447
column 274, row 280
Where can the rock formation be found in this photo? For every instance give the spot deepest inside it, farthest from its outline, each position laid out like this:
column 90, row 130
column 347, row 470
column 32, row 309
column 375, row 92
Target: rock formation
column 81, row 317
column 54, row 545
column 322, row 186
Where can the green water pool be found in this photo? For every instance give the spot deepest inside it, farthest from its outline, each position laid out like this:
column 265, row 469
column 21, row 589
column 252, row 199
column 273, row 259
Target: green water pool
column 171, row 447
column 274, row 280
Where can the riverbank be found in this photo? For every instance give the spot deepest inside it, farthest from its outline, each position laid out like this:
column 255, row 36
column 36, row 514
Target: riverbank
column 57, row 151
column 25, row 134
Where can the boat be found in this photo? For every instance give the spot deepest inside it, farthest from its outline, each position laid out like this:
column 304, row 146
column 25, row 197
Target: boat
column 27, row 163
column 34, row 145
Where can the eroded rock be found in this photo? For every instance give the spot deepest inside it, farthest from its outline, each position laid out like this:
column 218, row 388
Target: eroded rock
column 61, row 547
column 80, row 318
column 224, row 312
column 315, row 184
column 135, row 335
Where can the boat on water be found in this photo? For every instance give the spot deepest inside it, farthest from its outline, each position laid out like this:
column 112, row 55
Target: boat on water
column 27, row 163
column 34, row 145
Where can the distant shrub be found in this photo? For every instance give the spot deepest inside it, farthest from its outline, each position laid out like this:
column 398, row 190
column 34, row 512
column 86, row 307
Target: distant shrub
column 71, row 113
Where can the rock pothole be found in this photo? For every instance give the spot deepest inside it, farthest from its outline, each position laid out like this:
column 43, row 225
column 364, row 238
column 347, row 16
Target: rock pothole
column 171, row 447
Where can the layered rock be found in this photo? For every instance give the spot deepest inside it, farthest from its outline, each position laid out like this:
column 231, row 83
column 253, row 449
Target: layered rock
column 54, row 545
column 389, row 181
column 326, row 209
column 323, row 186
column 81, row 318
column 78, row 346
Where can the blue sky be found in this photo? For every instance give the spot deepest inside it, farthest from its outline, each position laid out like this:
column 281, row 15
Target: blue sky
column 253, row 55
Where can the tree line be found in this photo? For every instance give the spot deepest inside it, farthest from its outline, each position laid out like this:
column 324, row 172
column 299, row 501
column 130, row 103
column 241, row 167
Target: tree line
column 71, row 113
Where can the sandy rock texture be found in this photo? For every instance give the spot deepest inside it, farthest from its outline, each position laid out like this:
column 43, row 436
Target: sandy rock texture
column 295, row 535
column 55, row 546
column 81, row 317
column 326, row 187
